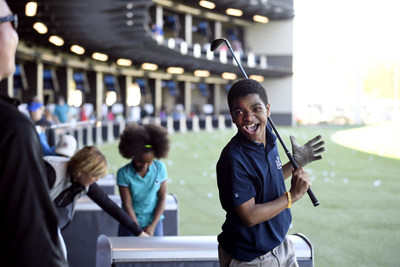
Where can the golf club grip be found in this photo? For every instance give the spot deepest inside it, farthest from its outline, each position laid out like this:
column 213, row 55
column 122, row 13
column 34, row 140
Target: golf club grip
column 310, row 193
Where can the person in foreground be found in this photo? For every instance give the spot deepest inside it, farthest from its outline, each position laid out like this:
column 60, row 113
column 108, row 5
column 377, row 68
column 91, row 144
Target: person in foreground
column 69, row 179
column 142, row 183
column 251, row 183
column 28, row 220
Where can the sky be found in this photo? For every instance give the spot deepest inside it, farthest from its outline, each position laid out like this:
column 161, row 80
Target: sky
column 333, row 42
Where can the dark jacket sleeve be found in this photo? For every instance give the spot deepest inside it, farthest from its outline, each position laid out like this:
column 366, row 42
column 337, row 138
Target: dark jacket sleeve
column 100, row 197
column 28, row 220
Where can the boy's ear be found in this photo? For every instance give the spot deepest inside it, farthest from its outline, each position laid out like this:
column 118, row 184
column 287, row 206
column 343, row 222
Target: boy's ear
column 268, row 110
column 232, row 117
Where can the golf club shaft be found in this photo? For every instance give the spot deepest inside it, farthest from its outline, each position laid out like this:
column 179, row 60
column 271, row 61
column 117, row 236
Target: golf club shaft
column 310, row 193
column 237, row 61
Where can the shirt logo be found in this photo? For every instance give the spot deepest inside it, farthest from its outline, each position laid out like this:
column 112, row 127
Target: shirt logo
column 236, row 195
column 278, row 163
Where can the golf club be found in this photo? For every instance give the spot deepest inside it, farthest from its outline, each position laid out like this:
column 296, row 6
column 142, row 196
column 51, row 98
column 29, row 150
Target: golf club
column 214, row 45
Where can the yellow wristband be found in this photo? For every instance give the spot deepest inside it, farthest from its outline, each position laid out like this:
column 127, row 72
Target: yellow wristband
column 289, row 198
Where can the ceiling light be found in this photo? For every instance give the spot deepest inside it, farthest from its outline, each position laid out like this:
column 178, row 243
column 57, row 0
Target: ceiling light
column 99, row 56
column 258, row 78
column 229, row 76
column 30, row 9
column 78, row 49
column 234, row 12
column 56, row 40
column 40, row 27
column 261, row 19
column 124, row 62
column 207, row 4
column 175, row 70
column 201, row 73
column 149, row 66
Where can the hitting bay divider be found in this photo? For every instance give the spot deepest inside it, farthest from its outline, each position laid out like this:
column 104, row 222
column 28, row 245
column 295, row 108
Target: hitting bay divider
column 99, row 132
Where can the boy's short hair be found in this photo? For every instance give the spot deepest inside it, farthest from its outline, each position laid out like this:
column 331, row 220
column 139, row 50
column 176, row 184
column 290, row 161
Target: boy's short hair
column 245, row 87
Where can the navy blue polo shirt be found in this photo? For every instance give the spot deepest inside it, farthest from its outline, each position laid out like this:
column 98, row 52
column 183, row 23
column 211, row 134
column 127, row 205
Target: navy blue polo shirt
column 247, row 169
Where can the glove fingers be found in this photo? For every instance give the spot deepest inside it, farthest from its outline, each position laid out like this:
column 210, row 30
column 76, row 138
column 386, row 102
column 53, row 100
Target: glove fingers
column 317, row 157
column 319, row 144
column 320, row 150
column 315, row 139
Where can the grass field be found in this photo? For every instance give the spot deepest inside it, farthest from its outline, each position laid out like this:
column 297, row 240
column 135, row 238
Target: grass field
column 357, row 223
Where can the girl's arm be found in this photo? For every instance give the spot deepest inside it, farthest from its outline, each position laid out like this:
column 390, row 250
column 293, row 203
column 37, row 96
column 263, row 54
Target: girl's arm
column 162, row 198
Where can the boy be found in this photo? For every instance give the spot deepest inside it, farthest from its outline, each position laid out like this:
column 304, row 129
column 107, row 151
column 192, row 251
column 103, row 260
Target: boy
column 251, row 185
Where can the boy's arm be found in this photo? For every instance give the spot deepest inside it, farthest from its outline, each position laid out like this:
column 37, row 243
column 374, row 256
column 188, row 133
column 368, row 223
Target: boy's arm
column 253, row 214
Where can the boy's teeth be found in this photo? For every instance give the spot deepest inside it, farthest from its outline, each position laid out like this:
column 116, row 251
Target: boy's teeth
column 251, row 127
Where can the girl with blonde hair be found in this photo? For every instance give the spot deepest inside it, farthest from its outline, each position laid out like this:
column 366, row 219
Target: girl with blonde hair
column 69, row 179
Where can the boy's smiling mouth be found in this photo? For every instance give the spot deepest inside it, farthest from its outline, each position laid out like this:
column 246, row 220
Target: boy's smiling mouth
column 252, row 128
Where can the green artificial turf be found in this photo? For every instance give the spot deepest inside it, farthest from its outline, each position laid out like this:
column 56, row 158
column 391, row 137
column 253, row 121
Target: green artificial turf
column 356, row 224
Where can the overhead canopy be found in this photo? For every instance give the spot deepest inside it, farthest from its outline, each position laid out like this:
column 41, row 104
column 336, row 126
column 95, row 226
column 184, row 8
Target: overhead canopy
column 121, row 29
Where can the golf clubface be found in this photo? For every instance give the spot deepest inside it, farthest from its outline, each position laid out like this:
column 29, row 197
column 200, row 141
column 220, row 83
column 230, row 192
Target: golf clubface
column 216, row 43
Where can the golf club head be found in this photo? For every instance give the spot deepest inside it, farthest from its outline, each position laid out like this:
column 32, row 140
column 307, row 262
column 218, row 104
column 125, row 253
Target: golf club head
column 217, row 42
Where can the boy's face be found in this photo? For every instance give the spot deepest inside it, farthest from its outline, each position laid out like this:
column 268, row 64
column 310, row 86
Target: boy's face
column 250, row 115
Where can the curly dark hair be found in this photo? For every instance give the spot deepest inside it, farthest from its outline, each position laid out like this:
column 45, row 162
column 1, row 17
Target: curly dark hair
column 245, row 87
column 137, row 139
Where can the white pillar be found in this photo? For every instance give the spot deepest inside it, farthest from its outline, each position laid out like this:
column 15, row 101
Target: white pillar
column 99, row 95
column 10, row 86
column 221, row 122
column 128, row 82
column 217, row 99
column 209, row 126
column 110, row 132
column 79, row 140
column 99, row 135
column 188, row 98
column 182, row 125
column 195, row 124
column 159, row 16
column 170, row 124
column 188, row 28
column 39, row 81
column 89, row 135
column 158, row 97
column 69, row 78
column 218, row 29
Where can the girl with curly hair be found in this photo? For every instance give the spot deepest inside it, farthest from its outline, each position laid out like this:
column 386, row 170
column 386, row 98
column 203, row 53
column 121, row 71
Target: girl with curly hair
column 142, row 182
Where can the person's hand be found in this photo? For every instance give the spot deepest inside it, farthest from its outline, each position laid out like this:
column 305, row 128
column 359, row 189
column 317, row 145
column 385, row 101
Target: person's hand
column 150, row 229
column 299, row 184
column 143, row 234
column 303, row 155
